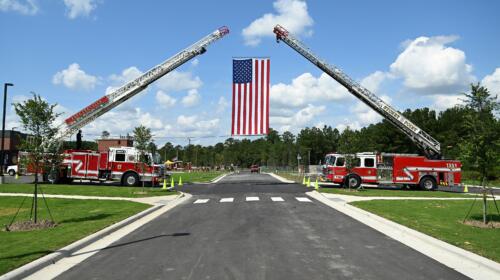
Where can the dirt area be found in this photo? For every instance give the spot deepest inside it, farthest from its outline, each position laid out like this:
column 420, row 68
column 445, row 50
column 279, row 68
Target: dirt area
column 30, row 225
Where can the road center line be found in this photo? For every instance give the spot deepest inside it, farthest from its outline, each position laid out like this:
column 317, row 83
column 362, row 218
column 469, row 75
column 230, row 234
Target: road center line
column 277, row 198
column 201, row 201
column 252, row 198
column 303, row 199
column 227, row 199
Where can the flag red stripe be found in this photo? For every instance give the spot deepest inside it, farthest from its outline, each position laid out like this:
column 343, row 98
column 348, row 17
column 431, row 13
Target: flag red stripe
column 250, row 100
column 256, row 95
column 245, row 108
column 267, row 94
column 238, row 131
column 232, row 120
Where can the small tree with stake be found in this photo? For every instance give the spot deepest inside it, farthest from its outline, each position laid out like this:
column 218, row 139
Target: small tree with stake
column 37, row 117
column 480, row 149
column 142, row 139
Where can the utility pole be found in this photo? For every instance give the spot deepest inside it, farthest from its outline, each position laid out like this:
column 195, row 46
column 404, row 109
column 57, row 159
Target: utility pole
column 2, row 158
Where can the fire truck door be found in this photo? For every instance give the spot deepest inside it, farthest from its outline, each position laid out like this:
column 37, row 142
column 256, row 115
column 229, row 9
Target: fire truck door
column 92, row 166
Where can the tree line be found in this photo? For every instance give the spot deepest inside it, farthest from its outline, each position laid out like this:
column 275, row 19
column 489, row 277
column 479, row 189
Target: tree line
column 469, row 132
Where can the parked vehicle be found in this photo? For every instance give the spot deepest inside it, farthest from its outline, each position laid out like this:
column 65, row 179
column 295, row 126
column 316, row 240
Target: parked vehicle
column 117, row 164
column 12, row 170
column 254, row 169
column 393, row 169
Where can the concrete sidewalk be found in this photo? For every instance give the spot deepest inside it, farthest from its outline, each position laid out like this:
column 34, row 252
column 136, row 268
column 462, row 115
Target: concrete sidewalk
column 153, row 200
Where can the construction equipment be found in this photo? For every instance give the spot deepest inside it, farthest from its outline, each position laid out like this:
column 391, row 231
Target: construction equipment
column 130, row 89
column 429, row 145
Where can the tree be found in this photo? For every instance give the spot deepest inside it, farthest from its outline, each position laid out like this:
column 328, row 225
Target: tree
column 37, row 117
column 105, row 134
column 142, row 139
column 480, row 149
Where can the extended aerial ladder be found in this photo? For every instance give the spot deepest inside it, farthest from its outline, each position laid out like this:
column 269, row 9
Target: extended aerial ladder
column 429, row 145
column 130, row 89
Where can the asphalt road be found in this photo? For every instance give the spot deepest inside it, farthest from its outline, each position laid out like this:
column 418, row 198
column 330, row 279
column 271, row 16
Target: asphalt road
column 263, row 239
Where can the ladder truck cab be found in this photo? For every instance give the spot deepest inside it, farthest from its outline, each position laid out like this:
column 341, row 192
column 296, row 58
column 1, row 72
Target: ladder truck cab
column 120, row 164
column 391, row 169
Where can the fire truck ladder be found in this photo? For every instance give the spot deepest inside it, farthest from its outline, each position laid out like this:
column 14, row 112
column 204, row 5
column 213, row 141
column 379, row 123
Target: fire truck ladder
column 429, row 145
column 130, row 89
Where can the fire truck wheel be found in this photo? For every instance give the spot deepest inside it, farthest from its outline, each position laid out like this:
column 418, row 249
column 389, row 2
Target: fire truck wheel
column 12, row 172
column 130, row 179
column 428, row 183
column 353, row 181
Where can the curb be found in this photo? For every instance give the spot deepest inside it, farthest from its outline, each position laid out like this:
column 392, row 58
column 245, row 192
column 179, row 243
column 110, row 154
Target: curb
column 66, row 251
column 463, row 261
column 281, row 179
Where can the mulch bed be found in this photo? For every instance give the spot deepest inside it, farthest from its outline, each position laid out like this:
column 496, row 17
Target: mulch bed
column 480, row 224
column 30, row 225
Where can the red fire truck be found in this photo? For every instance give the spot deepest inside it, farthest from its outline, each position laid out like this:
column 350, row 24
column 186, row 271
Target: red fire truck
column 392, row 169
column 427, row 172
column 117, row 164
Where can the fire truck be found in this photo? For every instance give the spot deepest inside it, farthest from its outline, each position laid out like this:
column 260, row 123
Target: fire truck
column 427, row 171
column 118, row 164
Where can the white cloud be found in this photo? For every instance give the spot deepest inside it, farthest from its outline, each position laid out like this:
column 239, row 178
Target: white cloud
column 306, row 89
column 222, row 104
column 74, row 78
column 195, row 62
column 297, row 120
column 193, row 126
column 291, row 14
column 492, row 83
column 429, row 66
column 77, row 8
column 26, row 7
column 179, row 81
column 165, row 100
column 127, row 75
column 191, row 99
column 445, row 101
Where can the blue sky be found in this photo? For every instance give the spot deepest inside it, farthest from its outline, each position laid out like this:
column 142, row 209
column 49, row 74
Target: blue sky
column 412, row 54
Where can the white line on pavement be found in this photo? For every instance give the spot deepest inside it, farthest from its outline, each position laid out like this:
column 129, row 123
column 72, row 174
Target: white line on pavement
column 227, row 199
column 201, row 201
column 252, row 198
column 277, row 198
column 303, row 199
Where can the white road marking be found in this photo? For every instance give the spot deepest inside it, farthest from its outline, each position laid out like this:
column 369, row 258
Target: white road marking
column 277, row 198
column 227, row 199
column 252, row 198
column 303, row 199
column 201, row 201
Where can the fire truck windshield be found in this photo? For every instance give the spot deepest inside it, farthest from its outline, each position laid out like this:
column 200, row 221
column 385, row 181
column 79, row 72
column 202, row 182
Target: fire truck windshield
column 330, row 160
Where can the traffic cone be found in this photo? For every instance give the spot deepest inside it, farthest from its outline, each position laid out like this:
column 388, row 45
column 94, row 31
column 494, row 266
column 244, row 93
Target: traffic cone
column 172, row 184
column 180, row 181
column 304, row 180
column 308, row 182
column 466, row 189
column 316, row 185
column 164, row 184
column 17, row 176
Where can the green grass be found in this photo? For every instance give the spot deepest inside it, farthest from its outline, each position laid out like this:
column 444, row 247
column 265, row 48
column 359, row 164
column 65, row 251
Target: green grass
column 89, row 190
column 442, row 220
column 494, row 183
column 392, row 193
column 76, row 219
column 196, row 177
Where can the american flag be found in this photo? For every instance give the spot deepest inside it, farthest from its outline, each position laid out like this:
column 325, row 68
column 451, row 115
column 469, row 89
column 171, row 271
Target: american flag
column 250, row 114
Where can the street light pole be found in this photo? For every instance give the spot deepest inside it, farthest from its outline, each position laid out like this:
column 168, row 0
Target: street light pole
column 3, row 130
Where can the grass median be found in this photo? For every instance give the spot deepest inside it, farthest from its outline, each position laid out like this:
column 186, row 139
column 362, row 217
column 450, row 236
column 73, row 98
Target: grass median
column 442, row 220
column 75, row 218
column 87, row 190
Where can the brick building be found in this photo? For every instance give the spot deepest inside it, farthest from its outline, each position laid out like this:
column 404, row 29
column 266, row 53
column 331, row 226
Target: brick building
column 11, row 145
column 123, row 141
